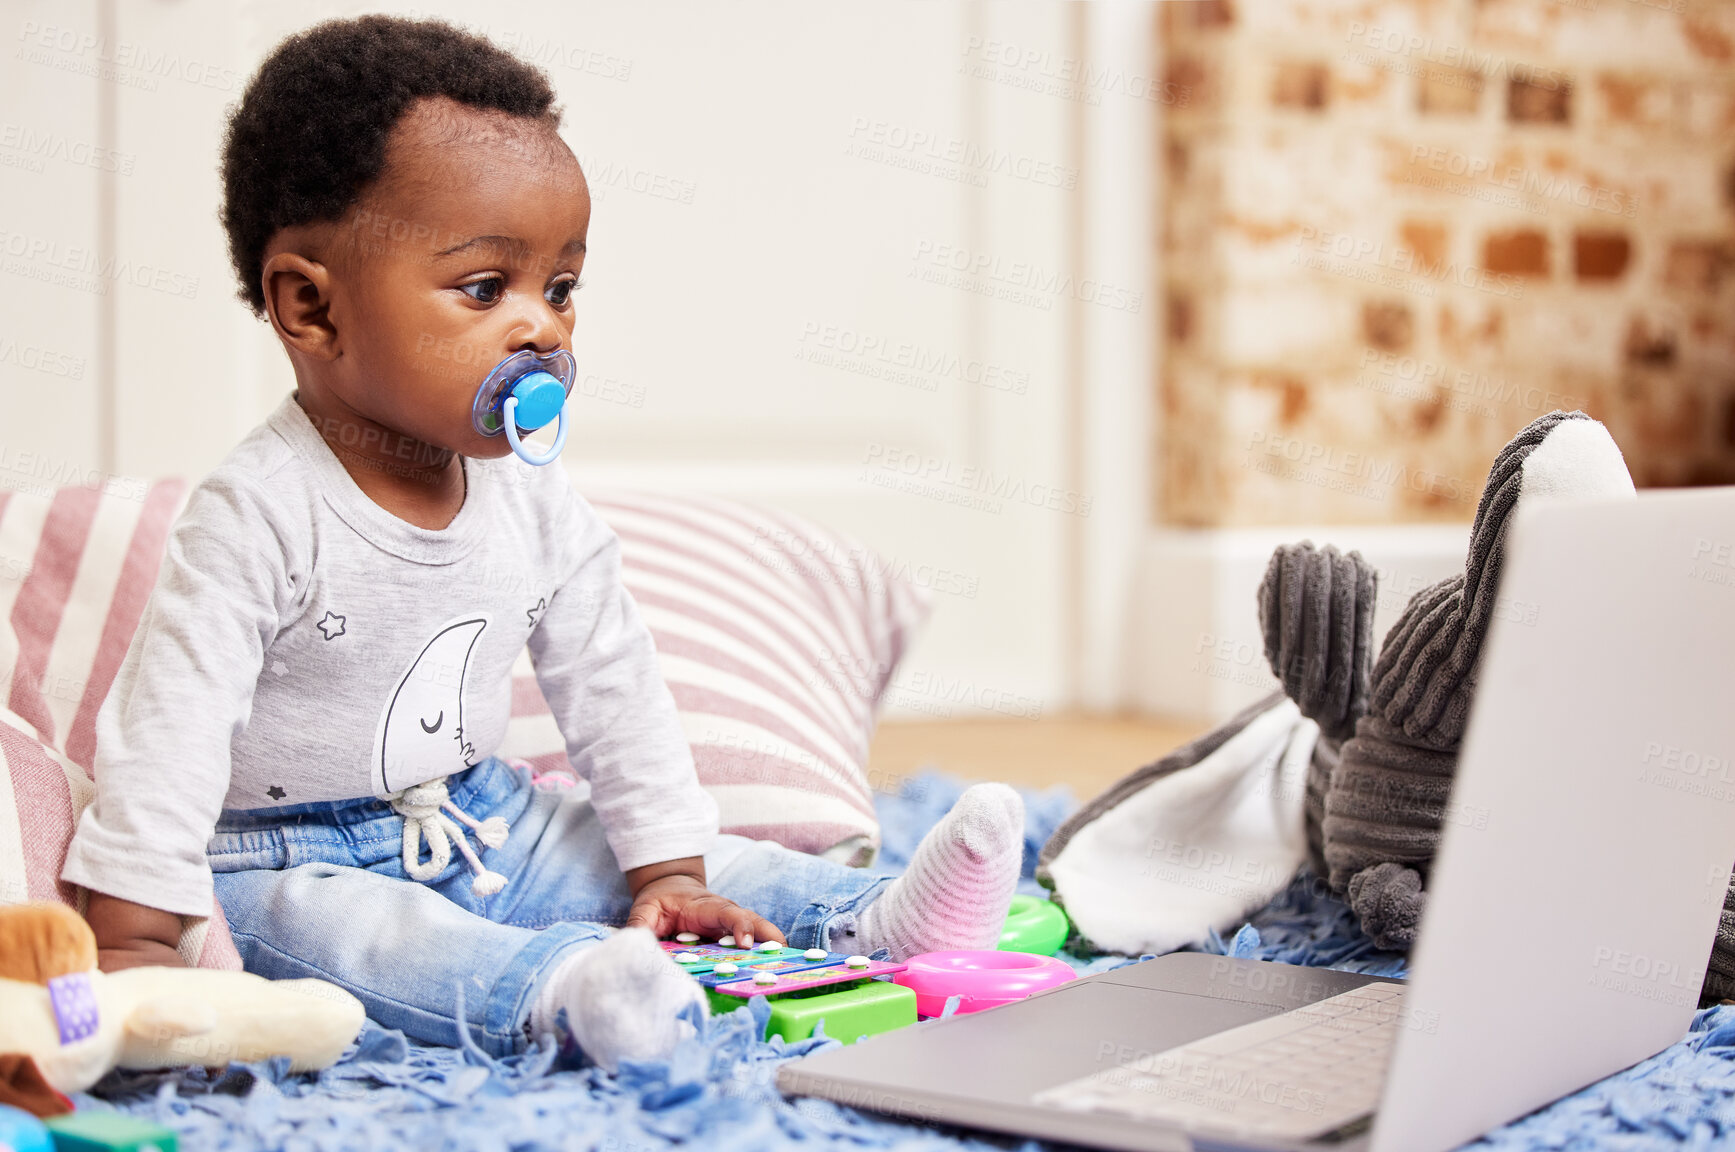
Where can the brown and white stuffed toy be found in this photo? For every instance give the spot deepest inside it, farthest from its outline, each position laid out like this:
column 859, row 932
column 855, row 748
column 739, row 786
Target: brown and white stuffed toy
column 76, row 1022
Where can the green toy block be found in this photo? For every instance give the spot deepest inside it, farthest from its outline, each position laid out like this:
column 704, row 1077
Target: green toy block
column 1034, row 925
column 858, row 1010
column 91, row 1131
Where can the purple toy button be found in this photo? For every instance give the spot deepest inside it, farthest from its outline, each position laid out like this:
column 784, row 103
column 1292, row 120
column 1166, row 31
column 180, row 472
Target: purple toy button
column 74, row 1000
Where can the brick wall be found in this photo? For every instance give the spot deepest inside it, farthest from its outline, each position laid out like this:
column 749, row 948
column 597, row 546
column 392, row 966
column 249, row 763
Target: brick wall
column 1397, row 232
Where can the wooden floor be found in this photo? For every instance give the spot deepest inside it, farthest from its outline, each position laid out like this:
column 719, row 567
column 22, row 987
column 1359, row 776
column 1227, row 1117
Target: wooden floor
column 1086, row 753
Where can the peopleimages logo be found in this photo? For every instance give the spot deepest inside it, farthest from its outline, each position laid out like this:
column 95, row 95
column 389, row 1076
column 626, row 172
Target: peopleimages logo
column 1313, row 245
column 922, row 691
column 36, row 254
column 969, row 480
column 1400, row 42
column 1029, row 281
column 40, row 359
column 1482, row 385
column 39, row 144
column 927, row 364
column 602, row 175
column 1293, row 458
column 88, row 53
column 56, row 473
column 855, row 566
column 1041, row 70
column 1518, row 179
column 922, row 144
column 1668, row 981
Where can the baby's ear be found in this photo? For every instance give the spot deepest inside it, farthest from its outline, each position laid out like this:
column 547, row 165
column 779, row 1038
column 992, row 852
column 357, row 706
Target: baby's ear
column 298, row 303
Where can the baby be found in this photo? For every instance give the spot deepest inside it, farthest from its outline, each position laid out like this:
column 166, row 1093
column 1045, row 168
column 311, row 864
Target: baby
column 322, row 673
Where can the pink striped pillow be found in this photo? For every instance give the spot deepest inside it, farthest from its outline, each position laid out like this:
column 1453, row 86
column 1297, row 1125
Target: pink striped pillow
column 76, row 567
column 777, row 639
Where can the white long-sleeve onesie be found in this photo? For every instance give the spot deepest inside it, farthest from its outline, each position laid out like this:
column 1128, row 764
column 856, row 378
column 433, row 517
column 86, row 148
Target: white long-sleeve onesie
column 303, row 644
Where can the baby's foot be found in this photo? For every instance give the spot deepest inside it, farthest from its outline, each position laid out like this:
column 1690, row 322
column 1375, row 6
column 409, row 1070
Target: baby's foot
column 958, row 886
column 622, row 999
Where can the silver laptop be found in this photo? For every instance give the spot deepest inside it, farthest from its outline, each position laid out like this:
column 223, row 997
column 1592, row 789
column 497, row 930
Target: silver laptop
column 1570, row 915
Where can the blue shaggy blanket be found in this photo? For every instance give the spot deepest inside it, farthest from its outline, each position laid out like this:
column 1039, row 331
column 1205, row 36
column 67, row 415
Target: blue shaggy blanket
column 720, row 1089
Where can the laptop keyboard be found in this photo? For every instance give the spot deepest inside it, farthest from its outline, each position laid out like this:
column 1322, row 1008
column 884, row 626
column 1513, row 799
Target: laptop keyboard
column 1299, row 1074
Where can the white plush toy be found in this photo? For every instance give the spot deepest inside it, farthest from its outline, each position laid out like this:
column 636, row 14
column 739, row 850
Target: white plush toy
column 76, row 1022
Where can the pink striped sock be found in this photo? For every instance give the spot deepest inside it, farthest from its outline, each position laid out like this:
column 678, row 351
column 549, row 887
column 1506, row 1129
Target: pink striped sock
column 959, row 884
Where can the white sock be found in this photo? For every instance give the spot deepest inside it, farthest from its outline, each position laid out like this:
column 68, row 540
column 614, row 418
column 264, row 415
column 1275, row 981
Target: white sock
column 958, row 886
column 622, row 999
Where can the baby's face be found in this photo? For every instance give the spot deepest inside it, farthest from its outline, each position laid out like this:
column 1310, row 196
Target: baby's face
column 468, row 249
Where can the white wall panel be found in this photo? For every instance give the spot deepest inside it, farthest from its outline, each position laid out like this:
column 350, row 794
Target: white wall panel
column 54, row 282
column 826, row 238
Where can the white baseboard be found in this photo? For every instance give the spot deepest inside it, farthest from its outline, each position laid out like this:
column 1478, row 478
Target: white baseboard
column 1196, row 650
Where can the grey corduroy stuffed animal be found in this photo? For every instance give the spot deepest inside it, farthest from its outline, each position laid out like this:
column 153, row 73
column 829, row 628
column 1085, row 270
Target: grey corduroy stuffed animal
column 1163, row 857
column 1376, row 800
column 1316, row 611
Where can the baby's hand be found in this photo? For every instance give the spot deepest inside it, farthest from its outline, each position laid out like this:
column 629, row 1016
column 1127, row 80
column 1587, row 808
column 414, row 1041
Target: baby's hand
column 673, row 904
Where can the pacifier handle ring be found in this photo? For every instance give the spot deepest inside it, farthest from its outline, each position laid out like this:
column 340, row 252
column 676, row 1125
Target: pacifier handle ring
column 510, row 411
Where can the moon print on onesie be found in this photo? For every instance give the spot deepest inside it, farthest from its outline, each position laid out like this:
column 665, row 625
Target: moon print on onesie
column 421, row 733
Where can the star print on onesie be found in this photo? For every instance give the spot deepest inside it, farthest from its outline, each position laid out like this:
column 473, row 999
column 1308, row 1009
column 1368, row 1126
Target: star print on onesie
column 331, row 627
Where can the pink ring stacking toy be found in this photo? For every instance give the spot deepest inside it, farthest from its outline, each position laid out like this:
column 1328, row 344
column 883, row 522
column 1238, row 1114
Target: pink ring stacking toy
column 982, row 978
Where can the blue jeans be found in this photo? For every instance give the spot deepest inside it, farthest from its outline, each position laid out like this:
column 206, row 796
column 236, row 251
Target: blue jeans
column 319, row 890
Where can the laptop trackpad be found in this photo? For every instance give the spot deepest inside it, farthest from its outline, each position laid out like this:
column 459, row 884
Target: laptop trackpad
column 1010, row 1053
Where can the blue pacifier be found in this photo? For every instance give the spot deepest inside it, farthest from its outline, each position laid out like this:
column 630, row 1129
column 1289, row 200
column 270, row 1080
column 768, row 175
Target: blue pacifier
column 524, row 392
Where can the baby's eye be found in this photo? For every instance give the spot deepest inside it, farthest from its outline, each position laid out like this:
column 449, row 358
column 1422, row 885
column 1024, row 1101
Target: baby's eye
column 560, row 292
column 488, row 290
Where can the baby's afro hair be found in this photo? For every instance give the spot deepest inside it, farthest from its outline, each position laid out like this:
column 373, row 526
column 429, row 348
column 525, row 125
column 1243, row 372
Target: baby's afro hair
column 310, row 132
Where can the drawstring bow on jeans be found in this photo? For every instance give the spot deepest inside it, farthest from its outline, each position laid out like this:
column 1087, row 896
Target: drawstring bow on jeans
column 424, row 807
